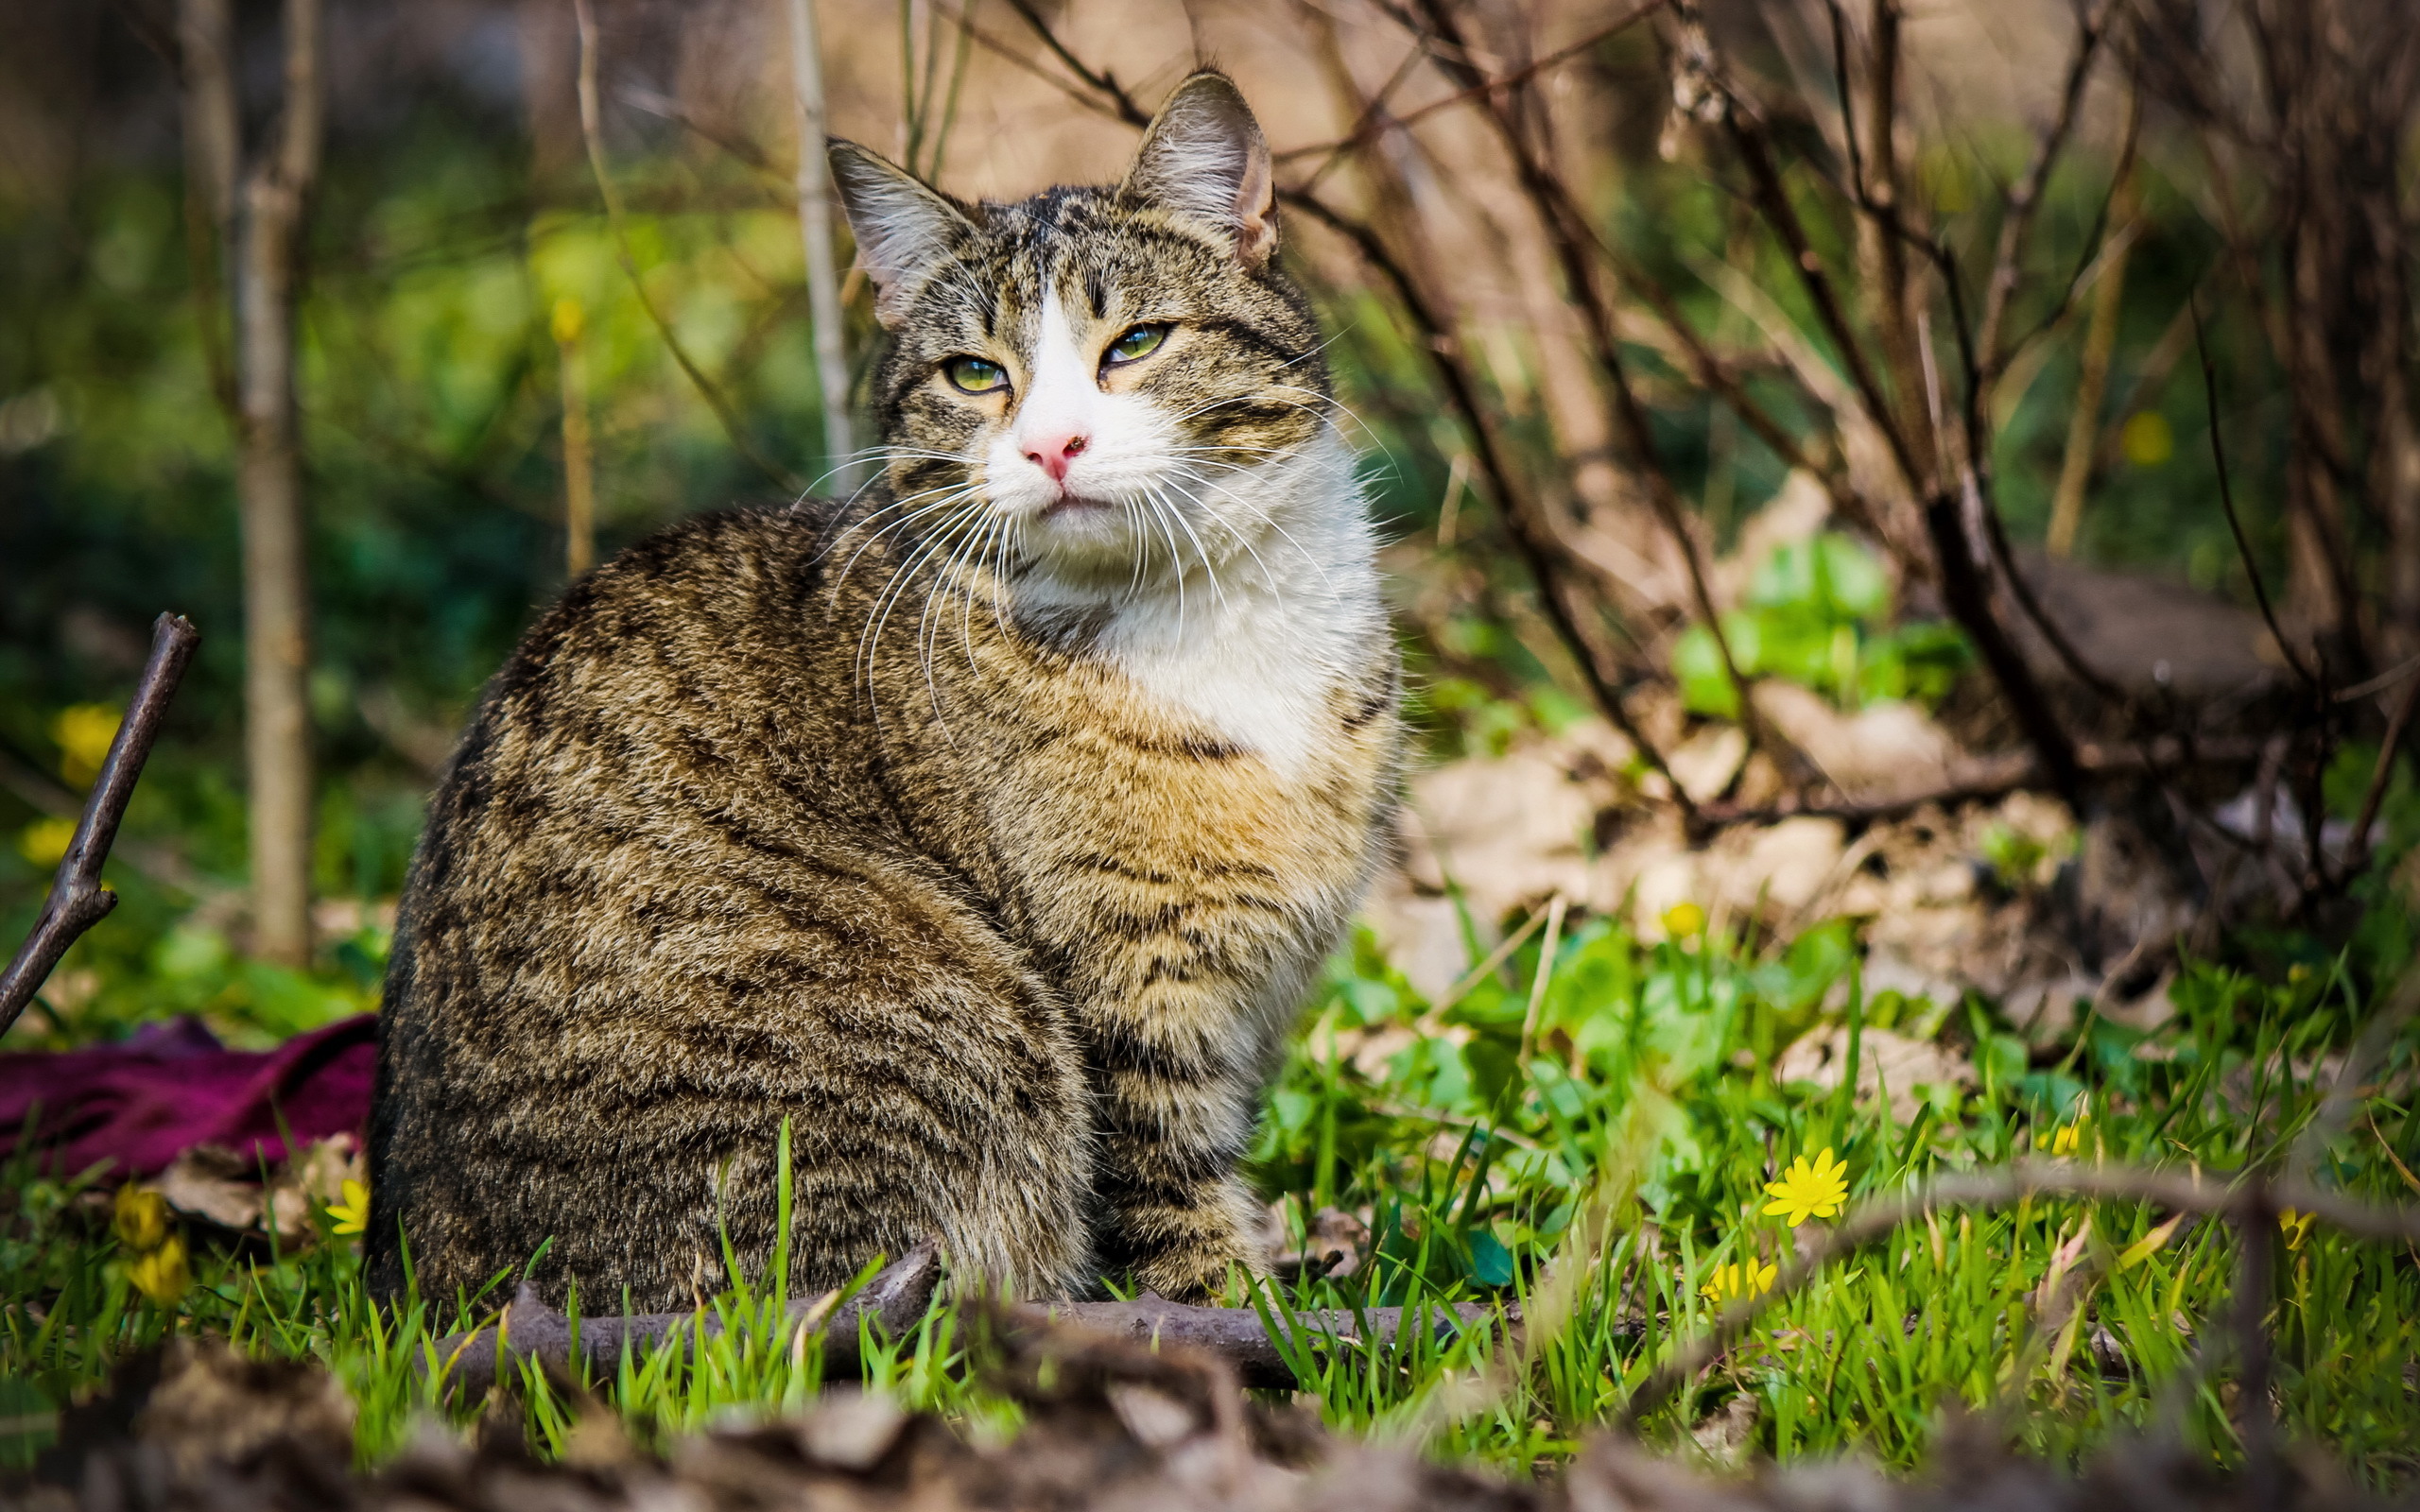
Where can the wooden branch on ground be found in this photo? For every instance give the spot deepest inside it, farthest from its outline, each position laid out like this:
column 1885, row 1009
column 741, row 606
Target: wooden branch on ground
column 77, row 901
column 1982, row 778
column 896, row 1298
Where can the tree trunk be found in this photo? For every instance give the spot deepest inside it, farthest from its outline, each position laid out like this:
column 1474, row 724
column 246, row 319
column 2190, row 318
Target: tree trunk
column 277, row 656
column 815, row 231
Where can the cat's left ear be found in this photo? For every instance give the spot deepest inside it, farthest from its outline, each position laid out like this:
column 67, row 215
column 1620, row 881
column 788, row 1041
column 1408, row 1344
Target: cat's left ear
column 1205, row 159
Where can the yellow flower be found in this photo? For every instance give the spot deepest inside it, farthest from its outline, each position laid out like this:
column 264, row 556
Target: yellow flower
column 161, row 1274
column 45, row 841
column 1804, row 1190
column 141, row 1217
column 2297, row 1227
column 352, row 1213
column 2063, row 1140
column 567, row 320
column 1748, row 1279
column 83, row 731
column 1685, row 921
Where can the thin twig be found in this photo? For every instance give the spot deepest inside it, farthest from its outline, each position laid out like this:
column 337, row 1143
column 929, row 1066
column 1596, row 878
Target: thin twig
column 1373, row 124
column 592, row 129
column 77, row 901
column 2357, row 851
column 1513, row 505
column 2026, row 198
column 2226, row 501
column 896, row 1300
column 1102, row 82
column 1967, row 597
column 1562, row 219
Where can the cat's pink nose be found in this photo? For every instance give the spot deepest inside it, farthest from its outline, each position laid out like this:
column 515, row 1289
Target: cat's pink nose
column 1053, row 455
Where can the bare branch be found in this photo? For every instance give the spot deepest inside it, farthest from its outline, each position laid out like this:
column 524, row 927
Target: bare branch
column 1966, row 596
column 2026, row 198
column 1102, row 82
column 1566, row 226
column 895, row 1300
column 2226, row 501
column 1538, row 550
column 77, row 901
column 205, row 42
column 592, row 129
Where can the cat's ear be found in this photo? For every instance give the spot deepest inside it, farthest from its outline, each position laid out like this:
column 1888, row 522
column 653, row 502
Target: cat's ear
column 903, row 229
column 1205, row 159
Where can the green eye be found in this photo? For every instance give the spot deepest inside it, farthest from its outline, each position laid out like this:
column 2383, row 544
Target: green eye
column 974, row 376
column 1139, row 342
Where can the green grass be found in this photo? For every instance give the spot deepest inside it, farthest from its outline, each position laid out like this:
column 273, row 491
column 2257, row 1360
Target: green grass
column 1646, row 1100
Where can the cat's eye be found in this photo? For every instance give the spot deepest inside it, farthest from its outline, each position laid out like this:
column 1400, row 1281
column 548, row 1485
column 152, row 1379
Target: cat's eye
column 1139, row 342
column 974, row 376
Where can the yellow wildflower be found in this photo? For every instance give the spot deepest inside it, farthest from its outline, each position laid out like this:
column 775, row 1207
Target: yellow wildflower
column 1748, row 1279
column 141, row 1217
column 568, row 319
column 1685, row 921
column 1804, row 1190
column 84, row 731
column 2297, row 1227
column 161, row 1274
column 2063, row 1141
column 352, row 1215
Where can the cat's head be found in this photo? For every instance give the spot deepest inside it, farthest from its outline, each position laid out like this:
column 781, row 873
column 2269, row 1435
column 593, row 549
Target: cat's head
column 1113, row 385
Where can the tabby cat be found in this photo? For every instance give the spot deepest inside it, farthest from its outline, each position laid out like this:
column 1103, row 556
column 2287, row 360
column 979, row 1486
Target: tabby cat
column 988, row 829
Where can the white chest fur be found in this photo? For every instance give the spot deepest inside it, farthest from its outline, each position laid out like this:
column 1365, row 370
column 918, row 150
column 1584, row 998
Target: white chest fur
column 1255, row 646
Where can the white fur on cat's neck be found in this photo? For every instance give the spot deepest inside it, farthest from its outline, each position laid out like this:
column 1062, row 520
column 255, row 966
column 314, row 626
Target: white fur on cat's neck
column 1253, row 641
column 1257, row 658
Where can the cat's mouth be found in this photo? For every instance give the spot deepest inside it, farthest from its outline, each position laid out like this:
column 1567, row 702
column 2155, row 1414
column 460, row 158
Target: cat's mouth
column 1075, row 504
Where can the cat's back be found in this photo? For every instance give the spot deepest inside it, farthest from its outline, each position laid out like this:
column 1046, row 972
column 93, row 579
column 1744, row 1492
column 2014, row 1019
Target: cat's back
column 658, row 871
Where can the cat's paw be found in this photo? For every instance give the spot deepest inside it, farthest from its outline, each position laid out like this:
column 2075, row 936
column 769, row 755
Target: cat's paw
column 1217, row 1240
column 1197, row 1273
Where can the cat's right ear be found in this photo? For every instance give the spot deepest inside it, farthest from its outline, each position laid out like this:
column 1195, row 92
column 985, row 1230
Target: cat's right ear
column 903, row 229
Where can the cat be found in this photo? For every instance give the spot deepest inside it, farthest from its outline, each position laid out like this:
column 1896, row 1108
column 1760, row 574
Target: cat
column 989, row 829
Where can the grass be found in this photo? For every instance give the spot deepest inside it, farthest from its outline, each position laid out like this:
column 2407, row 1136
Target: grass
column 1647, row 1098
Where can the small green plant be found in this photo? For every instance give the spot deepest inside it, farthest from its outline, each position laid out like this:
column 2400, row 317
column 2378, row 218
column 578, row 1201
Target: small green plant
column 1815, row 616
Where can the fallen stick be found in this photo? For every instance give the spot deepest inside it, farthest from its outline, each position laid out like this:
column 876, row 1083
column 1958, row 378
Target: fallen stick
column 897, row 1297
column 77, row 901
column 1236, row 1336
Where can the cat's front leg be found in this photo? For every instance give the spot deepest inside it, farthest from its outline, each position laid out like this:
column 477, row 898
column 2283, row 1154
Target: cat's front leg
column 1174, row 1098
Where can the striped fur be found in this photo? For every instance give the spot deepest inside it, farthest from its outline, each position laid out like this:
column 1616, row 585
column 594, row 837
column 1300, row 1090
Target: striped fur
column 991, row 841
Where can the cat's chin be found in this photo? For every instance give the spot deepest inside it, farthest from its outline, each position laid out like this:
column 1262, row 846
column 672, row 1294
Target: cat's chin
column 1070, row 507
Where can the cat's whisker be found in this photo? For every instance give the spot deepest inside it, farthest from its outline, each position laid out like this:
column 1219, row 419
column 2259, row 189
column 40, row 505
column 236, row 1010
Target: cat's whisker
column 869, row 639
column 948, row 579
column 1241, row 538
column 1265, row 517
column 1209, row 563
column 1176, row 557
column 954, row 496
column 1142, row 546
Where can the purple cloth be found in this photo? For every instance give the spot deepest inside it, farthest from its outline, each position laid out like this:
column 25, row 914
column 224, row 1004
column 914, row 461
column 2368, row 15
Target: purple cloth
column 169, row 1087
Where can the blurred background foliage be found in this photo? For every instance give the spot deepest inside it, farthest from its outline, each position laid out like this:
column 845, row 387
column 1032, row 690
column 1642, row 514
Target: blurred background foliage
column 455, row 214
